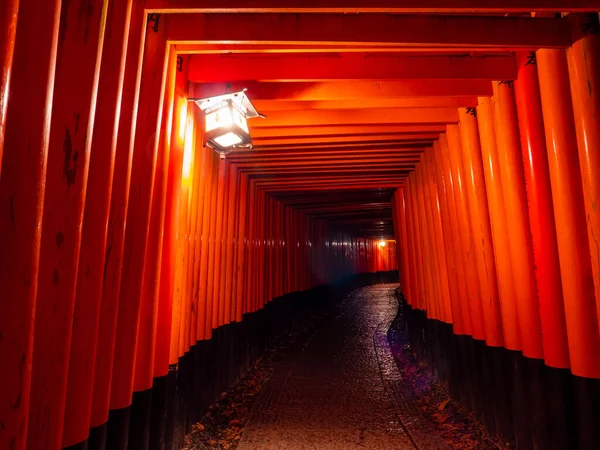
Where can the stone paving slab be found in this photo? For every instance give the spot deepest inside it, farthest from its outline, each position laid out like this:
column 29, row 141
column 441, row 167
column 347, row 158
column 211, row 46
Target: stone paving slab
column 341, row 389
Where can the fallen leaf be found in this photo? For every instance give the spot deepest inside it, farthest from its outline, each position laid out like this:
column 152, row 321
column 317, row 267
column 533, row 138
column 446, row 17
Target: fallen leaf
column 443, row 405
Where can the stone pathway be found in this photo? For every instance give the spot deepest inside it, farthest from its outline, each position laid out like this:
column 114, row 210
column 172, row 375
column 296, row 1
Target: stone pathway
column 341, row 388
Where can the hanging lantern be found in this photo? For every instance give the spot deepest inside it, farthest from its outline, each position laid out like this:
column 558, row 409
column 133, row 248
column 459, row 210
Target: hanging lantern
column 226, row 121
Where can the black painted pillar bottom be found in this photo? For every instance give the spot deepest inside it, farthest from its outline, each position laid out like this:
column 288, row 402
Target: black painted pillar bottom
column 519, row 399
column 160, row 417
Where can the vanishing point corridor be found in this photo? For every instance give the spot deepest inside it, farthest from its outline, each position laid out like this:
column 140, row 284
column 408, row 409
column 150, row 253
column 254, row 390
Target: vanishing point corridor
column 332, row 394
column 286, row 224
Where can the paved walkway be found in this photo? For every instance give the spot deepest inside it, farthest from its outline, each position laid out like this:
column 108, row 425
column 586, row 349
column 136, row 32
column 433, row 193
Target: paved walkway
column 341, row 390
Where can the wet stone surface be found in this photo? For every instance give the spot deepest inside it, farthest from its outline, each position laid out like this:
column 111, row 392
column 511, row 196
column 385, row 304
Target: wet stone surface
column 341, row 388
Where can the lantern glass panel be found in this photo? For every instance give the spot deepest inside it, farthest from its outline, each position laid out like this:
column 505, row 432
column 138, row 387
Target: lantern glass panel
column 240, row 120
column 228, row 140
column 220, row 118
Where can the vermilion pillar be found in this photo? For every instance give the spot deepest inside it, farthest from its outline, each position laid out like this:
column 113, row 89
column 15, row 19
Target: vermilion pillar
column 207, row 215
column 434, row 205
column 27, row 112
column 117, row 218
column 219, row 232
column 218, row 169
column 414, row 275
column 193, row 141
column 8, row 24
column 405, row 267
column 169, row 309
column 146, row 336
column 493, row 186
column 82, row 360
column 241, row 250
column 433, row 292
column 541, row 212
column 455, row 231
column 227, row 276
column 584, row 70
column 517, row 219
column 148, row 120
column 169, row 312
column 444, row 218
column 569, row 209
column 480, row 226
column 465, row 234
column 73, row 111
column 419, row 271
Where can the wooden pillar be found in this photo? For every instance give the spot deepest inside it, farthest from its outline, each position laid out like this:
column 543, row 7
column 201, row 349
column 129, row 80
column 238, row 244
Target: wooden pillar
column 227, row 276
column 113, row 259
column 569, row 208
column 541, row 213
column 515, row 203
column 241, row 256
column 27, row 123
column 73, row 110
column 480, row 226
column 205, row 238
column 428, row 246
column 465, row 232
column 8, row 24
column 146, row 335
column 493, row 188
column 83, row 356
column 169, row 303
column 434, row 207
column 455, row 231
column 584, row 70
column 449, row 243
column 145, row 145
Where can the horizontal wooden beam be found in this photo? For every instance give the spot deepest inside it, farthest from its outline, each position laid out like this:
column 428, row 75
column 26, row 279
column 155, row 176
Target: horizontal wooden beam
column 284, row 155
column 349, row 66
column 203, row 48
column 266, row 106
column 359, row 117
column 345, row 130
column 346, row 90
column 368, row 6
column 408, row 162
column 291, row 172
column 376, row 29
column 351, row 139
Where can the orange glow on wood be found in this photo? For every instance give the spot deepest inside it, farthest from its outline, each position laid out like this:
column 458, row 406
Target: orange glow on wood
column 498, row 223
column 519, row 233
column 345, row 90
column 348, row 66
column 569, row 214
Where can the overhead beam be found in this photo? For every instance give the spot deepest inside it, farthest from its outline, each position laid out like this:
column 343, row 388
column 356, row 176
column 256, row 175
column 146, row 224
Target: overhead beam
column 319, row 130
column 308, row 156
column 359, row 117
column 299, row 162
column 346, row 90
column 350, row 139
column 376, row 29
column 203, row 48
column 368, row 6
column 349, row 66
column 266, row 106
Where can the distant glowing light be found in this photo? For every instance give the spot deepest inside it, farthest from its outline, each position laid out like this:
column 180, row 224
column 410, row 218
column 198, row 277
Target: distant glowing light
column 382, row 243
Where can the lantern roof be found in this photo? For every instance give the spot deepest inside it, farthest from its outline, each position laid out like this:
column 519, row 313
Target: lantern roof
column 240, row 99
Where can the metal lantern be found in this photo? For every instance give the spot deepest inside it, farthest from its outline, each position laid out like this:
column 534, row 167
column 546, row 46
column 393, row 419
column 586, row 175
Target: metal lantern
column 226, row 121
